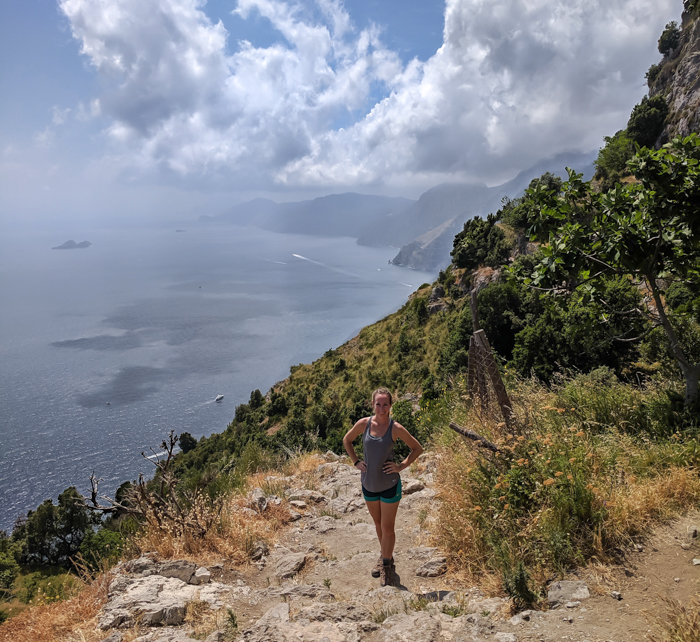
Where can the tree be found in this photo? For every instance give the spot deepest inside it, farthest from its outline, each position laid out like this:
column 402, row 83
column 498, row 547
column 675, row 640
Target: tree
column 611, row 164
column 54, row 533
column 670, row 38
column 481, row 242
column 647, row 120
column 187, row 442
column 648, row 231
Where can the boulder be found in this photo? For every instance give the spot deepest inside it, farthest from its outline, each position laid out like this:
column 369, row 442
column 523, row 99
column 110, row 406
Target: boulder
column 201, row 576
column 289, row 565
column 566, row 591
column 410, row 486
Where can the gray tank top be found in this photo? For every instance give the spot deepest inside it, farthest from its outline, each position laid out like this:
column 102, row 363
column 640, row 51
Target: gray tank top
column 378, row 451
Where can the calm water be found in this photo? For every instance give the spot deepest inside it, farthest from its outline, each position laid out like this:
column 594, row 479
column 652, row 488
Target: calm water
column 104, row 350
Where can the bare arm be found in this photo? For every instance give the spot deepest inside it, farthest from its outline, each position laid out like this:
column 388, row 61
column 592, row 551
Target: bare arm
column 416, row 449
column 350, row 436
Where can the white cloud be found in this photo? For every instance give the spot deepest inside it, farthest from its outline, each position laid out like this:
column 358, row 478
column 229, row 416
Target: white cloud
column 515, row 81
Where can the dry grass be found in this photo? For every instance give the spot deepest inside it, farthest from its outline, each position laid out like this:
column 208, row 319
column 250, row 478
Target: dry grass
column 680, row 624
column 236, row 529
column 73, row 620
column 235, row 532
column 636, row 506
column 577, row 480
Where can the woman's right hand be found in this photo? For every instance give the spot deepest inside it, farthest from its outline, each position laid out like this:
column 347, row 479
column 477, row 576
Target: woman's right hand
column 361, row 466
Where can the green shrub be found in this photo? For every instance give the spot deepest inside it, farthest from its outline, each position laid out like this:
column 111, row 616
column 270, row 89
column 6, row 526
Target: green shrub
column 101, row 548
column 481, row 242
column 611, row 164
column 670, row 38
column 647, row 120
column 652, row 74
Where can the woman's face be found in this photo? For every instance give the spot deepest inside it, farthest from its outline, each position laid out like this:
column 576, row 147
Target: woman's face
column 381, row 405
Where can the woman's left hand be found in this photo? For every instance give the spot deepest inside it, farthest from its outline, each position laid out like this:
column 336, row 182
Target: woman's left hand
column 390, row 467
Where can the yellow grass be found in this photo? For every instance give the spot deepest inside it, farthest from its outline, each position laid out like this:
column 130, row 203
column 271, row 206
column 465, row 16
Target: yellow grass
column 680, row 624
column 69, row 621
column 236, row 530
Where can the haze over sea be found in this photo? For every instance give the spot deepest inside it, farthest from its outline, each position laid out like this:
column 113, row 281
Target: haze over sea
column 106, row 349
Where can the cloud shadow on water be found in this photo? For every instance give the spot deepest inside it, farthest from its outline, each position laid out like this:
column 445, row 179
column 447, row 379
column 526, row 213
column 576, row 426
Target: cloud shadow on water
column 131, row 384
column 101, row 342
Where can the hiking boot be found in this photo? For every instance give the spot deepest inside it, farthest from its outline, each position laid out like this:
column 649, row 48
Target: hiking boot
column 377, row 568
column 386, row 575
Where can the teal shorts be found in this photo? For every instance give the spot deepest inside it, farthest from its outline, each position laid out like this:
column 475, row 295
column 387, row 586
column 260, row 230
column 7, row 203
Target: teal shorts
column 389, row 496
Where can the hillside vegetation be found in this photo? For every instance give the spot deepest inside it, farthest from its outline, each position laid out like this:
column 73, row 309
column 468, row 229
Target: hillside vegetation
column 589, row 294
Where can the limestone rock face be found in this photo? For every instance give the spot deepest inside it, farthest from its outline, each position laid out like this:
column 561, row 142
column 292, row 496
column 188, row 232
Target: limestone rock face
column 679, row 82
column 155, row 601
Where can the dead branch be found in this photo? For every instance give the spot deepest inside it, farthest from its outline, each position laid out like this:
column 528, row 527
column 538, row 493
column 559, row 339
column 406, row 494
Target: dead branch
column 481, row 441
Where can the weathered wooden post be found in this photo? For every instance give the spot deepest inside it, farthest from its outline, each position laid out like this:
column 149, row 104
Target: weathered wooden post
column 480, row 357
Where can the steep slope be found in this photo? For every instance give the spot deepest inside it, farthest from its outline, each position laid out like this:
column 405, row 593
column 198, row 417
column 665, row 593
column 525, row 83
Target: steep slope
column 440, row 212
column 346, row 214
column 677, row 77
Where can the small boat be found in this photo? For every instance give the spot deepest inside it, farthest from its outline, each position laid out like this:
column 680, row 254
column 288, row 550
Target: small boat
column 219, row 398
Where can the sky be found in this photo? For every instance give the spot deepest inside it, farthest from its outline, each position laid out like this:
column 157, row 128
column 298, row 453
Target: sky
column 140, row 109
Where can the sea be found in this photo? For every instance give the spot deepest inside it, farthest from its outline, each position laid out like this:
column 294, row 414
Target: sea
column 104, row 350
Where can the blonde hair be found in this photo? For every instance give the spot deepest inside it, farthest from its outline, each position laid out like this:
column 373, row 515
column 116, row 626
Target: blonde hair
column 382, row 391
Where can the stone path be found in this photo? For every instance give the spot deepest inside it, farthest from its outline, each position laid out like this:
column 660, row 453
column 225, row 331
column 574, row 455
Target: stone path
column 315, row 584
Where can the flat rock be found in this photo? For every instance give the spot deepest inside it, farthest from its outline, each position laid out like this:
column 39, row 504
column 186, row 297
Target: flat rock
column 156, row 601
column 506, row 637
column 141, row 566
column 567, row 591
column 276, row 614
column 334, row 612
column 289, row 565
column 420, row 627
column 323, row 524
column 297, row 503
column 308, row 496
column 180, row 569
column 165, row 635
column 433, row 568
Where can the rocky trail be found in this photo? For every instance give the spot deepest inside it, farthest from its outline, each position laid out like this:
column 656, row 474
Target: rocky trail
column 315, row 583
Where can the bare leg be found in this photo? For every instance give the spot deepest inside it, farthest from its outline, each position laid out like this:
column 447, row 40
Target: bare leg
column 388, row 521
column 375, row 510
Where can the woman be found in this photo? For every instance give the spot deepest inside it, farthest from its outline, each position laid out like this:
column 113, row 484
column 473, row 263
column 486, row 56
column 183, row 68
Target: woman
column 381, row 483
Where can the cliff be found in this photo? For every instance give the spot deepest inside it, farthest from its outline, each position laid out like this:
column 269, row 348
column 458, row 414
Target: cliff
column 677, row 77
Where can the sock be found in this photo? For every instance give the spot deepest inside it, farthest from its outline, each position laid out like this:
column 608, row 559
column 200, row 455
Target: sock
column 387, row 561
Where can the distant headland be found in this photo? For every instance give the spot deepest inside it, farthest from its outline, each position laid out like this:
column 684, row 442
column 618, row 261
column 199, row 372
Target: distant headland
column 72, row 245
